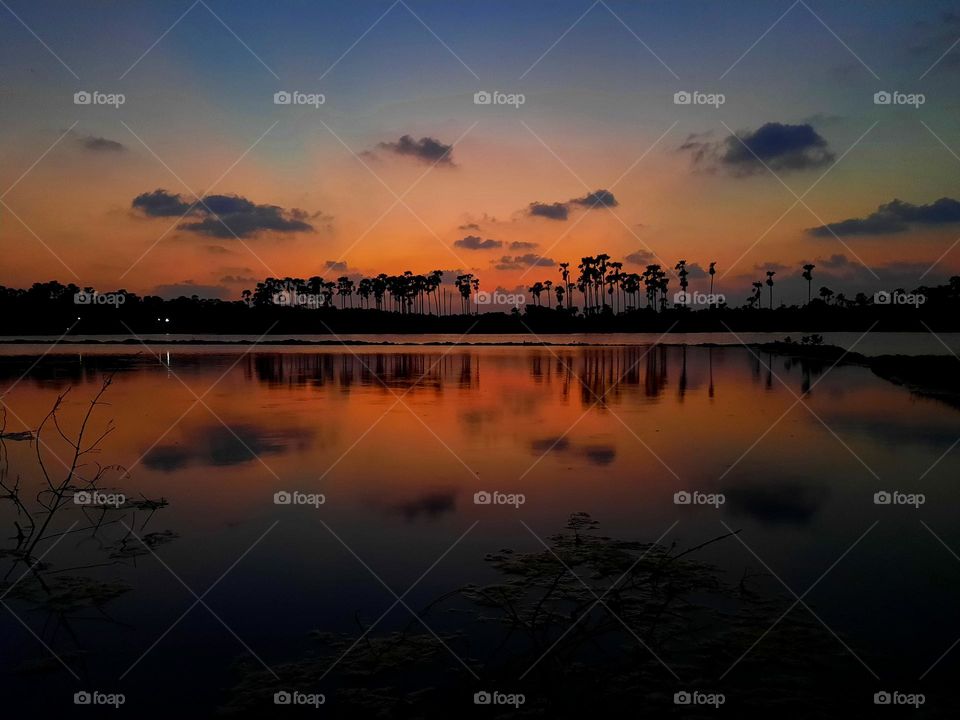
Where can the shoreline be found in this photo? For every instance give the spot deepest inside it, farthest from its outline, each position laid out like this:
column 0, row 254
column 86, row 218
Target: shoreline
column 930, row 376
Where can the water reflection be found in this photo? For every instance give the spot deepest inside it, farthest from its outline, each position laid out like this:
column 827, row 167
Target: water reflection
column 612, row 431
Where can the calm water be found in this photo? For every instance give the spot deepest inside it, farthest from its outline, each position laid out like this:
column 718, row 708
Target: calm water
column 876, row 343
column 399, row 441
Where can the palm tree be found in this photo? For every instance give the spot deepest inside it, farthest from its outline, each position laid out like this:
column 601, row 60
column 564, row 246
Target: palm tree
column 681, row 268
column 560, row 293
column 602, row 271
column 565, row 275
column 464, row 285
column 826, row 293
column 808, row 276
column 712, row 271
column 363, row 290
column 535, row 290
column 585, row 281
column 770, row 274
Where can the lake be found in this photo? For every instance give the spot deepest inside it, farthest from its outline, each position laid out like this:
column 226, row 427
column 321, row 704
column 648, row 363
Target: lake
column 306, row 488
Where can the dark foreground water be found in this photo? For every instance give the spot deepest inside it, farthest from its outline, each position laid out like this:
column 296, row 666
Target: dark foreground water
column 226, row 595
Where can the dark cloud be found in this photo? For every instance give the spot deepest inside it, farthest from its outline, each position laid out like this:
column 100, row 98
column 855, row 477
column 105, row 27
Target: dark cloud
column 781, row 147
column 469, row 226
column 641, row 257
column 833, row 262
column 238, row 280
column 894, row 217
column 695, row 272
column 224, row 216
column 474, row 242
column 160, row 203
column 100, row 144
column 774, row 266
column 518, row 262
column 553, row 211
column 426, row 149
column 338, row 265
column 936, row 38
column 521, row 245
column 188, row 288
column 561, row 210
column 599, row 198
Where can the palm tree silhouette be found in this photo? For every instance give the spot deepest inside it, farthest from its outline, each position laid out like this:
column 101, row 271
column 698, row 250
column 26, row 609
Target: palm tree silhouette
column 565, row 275
column 808, row 276
column 770, row 274
column 681, row 268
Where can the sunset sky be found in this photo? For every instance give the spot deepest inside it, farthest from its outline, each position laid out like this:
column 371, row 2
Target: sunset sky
column 104, row 196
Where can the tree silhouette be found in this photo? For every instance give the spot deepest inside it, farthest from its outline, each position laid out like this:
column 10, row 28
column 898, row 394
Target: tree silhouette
column 808, row 276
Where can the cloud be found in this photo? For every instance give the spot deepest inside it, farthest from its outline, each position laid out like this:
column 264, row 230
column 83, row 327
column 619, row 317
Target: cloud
column 189, row 288
column 473, row 242
column 426, row 149
column 469, row 226
column 695, row 271
column 599, row 198
column 935, row 39
column 518, row 262
column 894, row 217
column 641, row 257
column 561, row 210
column 778, row 146
column 239, row 280
column 99, row 144
column 160, row 203
column 224, row 216
column 553, row 211
column 521, row 245
column 338, row 265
